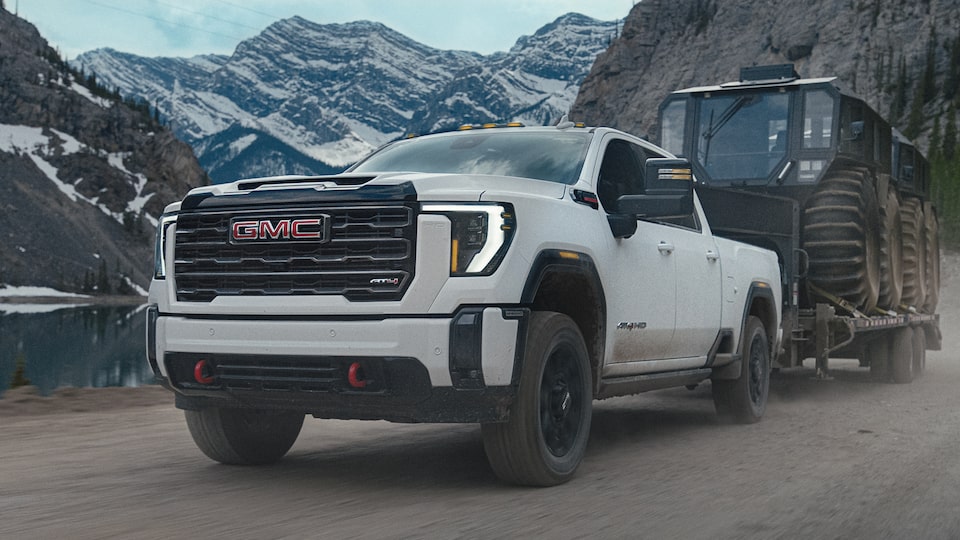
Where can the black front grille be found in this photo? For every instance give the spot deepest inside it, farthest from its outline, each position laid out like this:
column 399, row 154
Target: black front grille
column 367, row 253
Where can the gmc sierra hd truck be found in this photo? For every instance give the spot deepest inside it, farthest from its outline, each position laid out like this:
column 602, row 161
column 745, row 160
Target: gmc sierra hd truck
column 501, row 275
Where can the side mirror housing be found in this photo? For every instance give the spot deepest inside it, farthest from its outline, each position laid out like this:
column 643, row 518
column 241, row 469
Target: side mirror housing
column 668, row 191
column 622, row 225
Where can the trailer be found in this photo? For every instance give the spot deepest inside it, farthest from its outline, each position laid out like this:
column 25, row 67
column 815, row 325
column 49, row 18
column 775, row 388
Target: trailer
column 892, row 344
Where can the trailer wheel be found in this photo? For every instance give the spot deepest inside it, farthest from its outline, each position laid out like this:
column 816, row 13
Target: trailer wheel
column 744, row 399
column 901, row 355
column 919, row 351
column 878, row 356
column 891, row 253
column 546, row 436
column 932, row 270
column 914, row 253
column 841, row 236
column 243, row 436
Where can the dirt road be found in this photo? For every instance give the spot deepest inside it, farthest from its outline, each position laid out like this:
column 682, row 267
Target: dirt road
column 844, row 458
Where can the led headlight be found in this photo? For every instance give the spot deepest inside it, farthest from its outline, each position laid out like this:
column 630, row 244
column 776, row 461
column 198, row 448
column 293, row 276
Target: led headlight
column 159, row 259
column 479, row 235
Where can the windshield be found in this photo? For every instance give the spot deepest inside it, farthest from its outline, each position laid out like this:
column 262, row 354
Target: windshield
column 742, row 137
column 555, row 156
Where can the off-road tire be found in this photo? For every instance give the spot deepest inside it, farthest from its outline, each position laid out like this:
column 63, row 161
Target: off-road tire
column 901, row 355
column 841, row 234
column 544, row 441
column 932, row 270
column 744, row 400
column 243, row 436
column 914, row 253
column 878, row 356
column 891, row 253
column 919, row 351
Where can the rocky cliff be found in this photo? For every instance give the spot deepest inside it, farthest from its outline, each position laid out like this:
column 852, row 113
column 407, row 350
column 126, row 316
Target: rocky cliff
column 83, row 176
column 884, row 50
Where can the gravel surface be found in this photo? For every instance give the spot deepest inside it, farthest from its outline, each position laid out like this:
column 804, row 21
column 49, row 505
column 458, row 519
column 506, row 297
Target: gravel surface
column 841, row 458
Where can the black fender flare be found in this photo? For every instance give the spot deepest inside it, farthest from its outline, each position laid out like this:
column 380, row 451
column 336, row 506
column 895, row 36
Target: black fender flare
column 572, row 262
column 759, row 291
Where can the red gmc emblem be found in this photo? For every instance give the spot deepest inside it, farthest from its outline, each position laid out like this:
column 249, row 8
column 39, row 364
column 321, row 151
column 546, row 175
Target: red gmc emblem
column 253, row 230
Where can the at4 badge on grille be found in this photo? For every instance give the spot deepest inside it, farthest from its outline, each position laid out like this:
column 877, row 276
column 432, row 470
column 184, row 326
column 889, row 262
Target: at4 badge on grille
column 306, row 229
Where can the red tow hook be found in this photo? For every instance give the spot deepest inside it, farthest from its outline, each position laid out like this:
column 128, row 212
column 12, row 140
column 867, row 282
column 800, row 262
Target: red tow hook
column 355, row 375
column 201, row 372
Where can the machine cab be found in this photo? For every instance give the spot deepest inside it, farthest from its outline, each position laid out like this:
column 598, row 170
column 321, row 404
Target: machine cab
column 772, row 130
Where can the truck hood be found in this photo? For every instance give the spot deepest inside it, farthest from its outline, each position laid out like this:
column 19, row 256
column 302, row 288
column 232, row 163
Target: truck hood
column 428, row 187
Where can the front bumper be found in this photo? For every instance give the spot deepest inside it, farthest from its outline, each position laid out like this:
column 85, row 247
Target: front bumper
column 459, row 368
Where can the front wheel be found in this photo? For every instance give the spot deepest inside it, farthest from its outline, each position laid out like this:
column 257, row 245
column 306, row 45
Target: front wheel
column 243, row 436
column 744, row 400
column 545, row 438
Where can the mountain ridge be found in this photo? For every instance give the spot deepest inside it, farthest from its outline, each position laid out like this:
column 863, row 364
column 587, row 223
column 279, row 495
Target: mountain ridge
column 84, row 175
column 312, row 98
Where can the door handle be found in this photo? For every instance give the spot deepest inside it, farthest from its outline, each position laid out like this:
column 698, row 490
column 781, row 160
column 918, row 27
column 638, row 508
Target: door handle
column 712, row 255
column 665, row 248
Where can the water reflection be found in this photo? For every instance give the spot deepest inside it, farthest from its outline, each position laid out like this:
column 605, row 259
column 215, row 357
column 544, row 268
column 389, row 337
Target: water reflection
column 89, row 346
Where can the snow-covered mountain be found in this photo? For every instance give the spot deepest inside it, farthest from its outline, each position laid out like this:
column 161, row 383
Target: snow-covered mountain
column 308, row 98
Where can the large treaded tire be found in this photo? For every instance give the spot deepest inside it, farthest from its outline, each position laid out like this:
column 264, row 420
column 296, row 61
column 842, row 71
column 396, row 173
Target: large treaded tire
column 932, row 270
column 914, row 253
column 891, row 253
column 878, row 356
column 243, row 436
column 901, row 355
column 841, row 236
column 546, row 436
column 919, row 351
column 744, row 399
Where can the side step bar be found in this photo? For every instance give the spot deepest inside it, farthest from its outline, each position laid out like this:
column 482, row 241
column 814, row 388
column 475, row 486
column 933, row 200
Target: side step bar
column 625, row 386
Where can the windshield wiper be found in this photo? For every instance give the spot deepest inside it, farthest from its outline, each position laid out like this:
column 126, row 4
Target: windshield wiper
column 725, row 116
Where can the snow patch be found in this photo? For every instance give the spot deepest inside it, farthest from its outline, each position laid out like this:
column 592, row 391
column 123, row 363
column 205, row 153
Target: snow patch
column 9, row 291
column 85, row 92
column 10, row 309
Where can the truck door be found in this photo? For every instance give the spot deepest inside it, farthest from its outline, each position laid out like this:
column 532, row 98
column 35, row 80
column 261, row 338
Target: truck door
column 642, row 275
column 699, row 281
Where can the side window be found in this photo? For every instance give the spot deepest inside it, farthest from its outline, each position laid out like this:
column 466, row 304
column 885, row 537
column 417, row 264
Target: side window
column 621, row 173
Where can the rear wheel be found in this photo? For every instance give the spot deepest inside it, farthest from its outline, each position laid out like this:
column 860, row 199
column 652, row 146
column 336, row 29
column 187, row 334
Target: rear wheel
column 932, row 270
column 878, row 356
column 901, row 355
column 545, row 438
column 243, row 436
column 841, row 236
column 891, row 248
column 919, row 351
column 914, row 253
column 744, row 399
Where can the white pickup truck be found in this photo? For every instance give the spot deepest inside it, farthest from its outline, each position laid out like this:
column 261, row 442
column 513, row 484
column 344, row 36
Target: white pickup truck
column 506, row 276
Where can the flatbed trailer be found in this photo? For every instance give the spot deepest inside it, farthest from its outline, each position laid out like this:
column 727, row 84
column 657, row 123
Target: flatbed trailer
column 891, row 343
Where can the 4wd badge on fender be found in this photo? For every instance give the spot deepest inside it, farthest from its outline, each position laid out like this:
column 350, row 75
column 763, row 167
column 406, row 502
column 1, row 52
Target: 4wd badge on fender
column 313, row 229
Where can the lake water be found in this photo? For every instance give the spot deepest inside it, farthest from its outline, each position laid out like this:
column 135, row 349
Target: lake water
column 88, row 346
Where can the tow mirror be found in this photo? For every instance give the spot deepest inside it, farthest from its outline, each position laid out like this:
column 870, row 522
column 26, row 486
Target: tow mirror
column 668, row 191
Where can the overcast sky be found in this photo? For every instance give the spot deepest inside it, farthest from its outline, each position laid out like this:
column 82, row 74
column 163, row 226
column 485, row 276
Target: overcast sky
column 190, row 27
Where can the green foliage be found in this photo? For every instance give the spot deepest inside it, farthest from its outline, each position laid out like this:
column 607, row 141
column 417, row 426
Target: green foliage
column 945, row 179
column 952, row 82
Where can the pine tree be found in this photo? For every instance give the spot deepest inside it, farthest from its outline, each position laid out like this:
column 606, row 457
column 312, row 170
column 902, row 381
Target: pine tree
column 915, row 122
column 952, row 83
column 899, row 93
column 935, row 140
column 103, row 281
column 950, row 150
column 929, row 88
